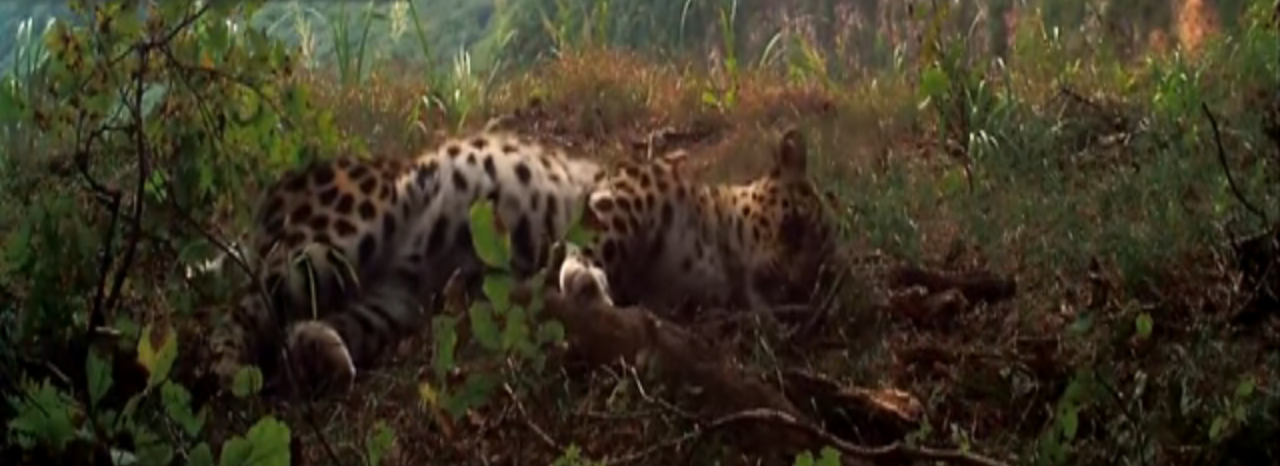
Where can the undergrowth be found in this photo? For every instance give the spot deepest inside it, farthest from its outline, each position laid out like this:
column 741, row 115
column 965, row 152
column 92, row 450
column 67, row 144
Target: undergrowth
column 1112, row 185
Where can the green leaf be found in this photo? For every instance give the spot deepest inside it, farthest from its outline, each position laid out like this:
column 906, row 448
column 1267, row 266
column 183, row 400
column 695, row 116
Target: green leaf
column 266, row 444
column 177, row 403
column 444, row 332
column 474, row 392
column 489, row 243
column 517, row 332
column 379, row 442
column 158, row 362
column 44, row 416
column 248, row 381
column 1245, row 389
column 805, row 458
column 829, row 457
column 497, row 288
column 483, row 326
column 155, row 453
column 550, row 332
column 1069, row 422
column 578, row 234
column 201, row 455
column 934, row 83
column 10, row 106
column 1216, row 429
column 99, row 377
column 1144, row 324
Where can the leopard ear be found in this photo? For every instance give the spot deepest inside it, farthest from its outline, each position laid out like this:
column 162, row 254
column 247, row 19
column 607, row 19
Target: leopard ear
column 675, row 157
column 790, row 159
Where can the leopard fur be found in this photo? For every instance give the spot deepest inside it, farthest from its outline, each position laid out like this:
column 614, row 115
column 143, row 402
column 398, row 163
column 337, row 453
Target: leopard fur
column 665, row 241
column 350, row 251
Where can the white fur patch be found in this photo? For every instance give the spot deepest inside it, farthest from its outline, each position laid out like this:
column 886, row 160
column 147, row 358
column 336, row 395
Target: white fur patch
column 580, row 280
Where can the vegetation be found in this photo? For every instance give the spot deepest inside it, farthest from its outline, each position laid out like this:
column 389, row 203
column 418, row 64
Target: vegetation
column 1124, row 172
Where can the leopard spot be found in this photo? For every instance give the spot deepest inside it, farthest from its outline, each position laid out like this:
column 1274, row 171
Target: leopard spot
column 480, row 143
column 344, row 227
column 553, row 211
column 369, row 185
column 319, row 222
column 367, row 210
column 294, row 238
column 359, row 172
column 453, row 151
column 325, row 175
column 610, row 251
column 459, row 182
column 301, row 215
column 523, row 174
column 489, row 168
column 296, row 184
column 329, row 196
column 346, row 204
column 368, row 246
column 522, row 239
column 389, row 225
column 435, row 241
column 462, row 237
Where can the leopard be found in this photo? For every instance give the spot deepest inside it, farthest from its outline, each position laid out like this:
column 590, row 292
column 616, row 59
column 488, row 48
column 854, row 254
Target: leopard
column 348, row 252
column 663, row 240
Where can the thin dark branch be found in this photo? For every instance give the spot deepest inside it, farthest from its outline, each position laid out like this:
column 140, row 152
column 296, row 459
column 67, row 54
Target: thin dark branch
column 894, row 453
column 1222, row 159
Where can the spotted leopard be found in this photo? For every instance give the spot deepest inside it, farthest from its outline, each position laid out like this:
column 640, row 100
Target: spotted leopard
column 665, row 241
column 350, row 251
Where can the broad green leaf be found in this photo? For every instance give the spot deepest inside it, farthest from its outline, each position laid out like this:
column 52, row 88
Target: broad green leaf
column 474, row 392
column 1069, row 422
column 829, row 457
column 934, row 83
column 266, row 444
column 1144, row 324
column 380, row 441
column 10, row 106
column 1245, row 389
column 805, row 458
column 99, row 377
column 1217, row 427
column 217, row 37
column 201, row 455
column 177, row 403
column 490, row 244
column 444, row 332
column 247, row 382
column 157, row 362
column 516, row 333
column 578, row 234
column 497, row 288
column 483, row 326
column 156, row 453
column 550, row 332
column 44, row 415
